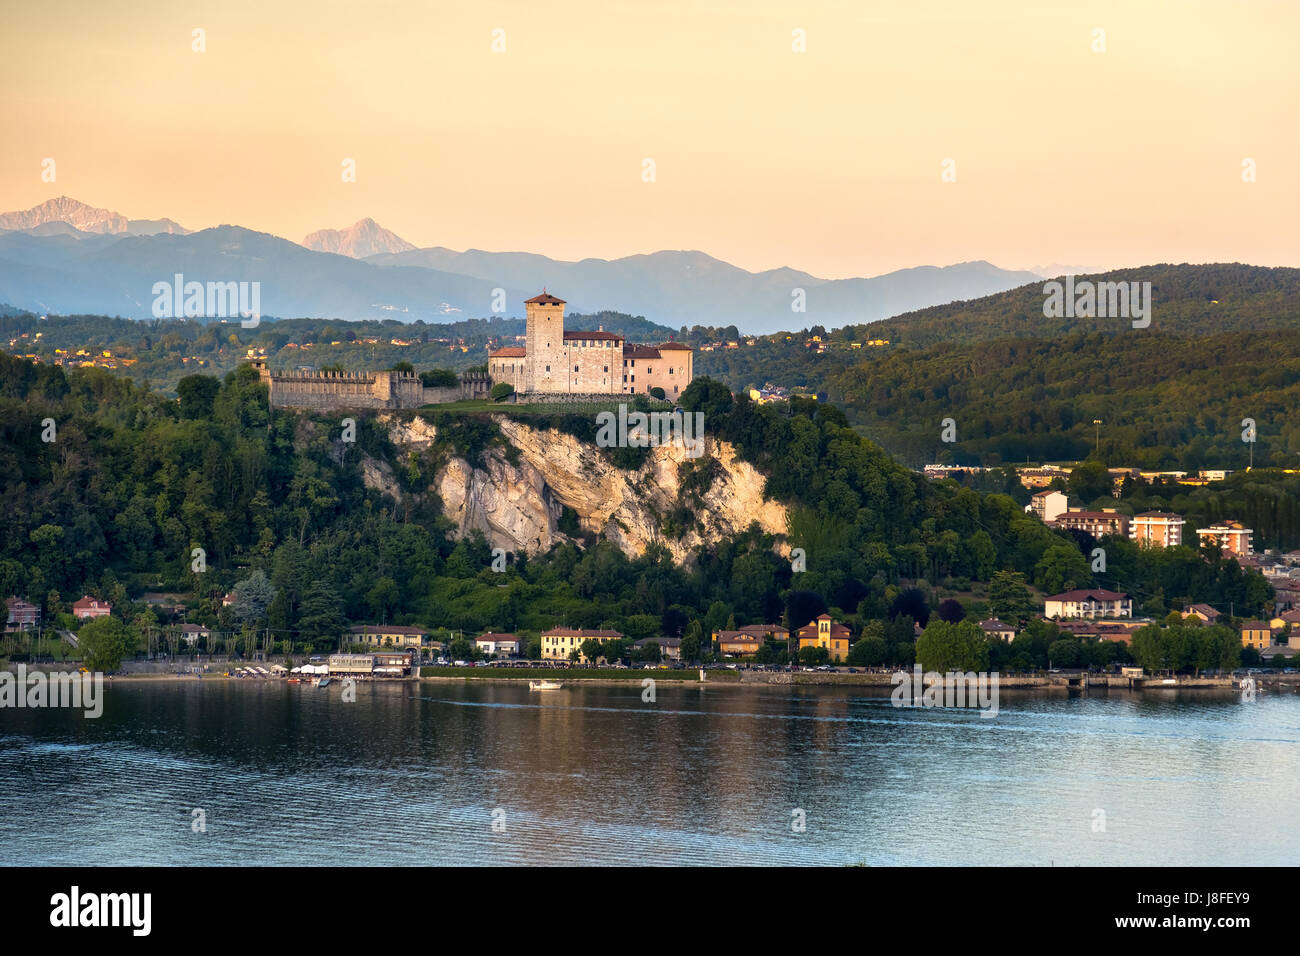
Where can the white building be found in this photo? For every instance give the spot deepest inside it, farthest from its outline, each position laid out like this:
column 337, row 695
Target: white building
column 1093, row 602
column 1048, row 505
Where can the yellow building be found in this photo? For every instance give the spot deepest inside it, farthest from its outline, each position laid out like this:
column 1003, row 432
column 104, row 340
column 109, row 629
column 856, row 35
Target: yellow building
column 826, row 633
column 387, row 635
column 1256, row 634
column 558, row 643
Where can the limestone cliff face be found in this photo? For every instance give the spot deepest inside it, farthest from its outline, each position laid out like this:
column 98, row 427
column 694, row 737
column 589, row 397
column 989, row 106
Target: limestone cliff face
column 518, row 506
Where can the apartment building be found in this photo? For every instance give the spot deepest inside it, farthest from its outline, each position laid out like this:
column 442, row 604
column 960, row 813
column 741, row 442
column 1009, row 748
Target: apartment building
column 1157, row 529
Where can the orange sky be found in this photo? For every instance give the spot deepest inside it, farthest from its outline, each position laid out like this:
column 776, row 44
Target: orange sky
column 827, row 161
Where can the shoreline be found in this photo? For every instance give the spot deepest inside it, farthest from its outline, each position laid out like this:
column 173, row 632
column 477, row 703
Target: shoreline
column 1068, row 682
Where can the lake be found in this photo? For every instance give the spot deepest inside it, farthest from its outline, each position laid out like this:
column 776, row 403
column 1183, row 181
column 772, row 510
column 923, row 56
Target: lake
column 447, row 773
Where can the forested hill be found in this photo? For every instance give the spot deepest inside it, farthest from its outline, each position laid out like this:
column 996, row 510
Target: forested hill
column 115, row 501
column 1187, row 299
column 1223, row 346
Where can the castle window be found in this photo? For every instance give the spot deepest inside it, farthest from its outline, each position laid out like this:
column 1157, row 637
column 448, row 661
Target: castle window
column 606, row 368
column 548, row 368
column 575, row 368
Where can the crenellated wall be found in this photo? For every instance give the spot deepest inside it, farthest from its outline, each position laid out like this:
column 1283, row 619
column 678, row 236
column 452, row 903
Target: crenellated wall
column 331, row 391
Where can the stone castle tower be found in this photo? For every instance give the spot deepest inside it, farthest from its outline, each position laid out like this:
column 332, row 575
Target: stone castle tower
column 559, row 362
column 544, row 343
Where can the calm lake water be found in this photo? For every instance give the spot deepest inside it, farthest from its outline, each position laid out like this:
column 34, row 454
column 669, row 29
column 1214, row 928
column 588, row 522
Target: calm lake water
column 413, row 774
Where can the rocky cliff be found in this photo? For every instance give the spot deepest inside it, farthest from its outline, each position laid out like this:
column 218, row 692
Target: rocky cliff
column 518, row 505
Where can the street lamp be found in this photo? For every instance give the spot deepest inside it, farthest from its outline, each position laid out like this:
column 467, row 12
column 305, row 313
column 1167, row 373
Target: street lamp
column 1097, row 422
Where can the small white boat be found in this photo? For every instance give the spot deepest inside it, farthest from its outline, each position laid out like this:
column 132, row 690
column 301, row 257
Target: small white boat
column 315, row 682
column 544, row 685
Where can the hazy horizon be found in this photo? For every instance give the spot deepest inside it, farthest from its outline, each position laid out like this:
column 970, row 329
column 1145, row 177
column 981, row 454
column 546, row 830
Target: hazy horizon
column 827, row 161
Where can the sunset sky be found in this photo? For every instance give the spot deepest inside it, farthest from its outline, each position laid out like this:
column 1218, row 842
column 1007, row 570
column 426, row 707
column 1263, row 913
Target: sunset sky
column 827, row 161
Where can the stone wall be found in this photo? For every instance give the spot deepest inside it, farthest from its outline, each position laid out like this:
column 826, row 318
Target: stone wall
column 339, row 391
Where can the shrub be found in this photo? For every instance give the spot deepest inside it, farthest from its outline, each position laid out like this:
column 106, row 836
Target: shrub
column 501, row 391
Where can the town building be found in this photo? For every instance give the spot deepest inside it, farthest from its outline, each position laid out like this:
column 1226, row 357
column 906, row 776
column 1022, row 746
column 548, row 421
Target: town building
column 737, row 643
column 1099, row 524
column 1256, row 634
column 89, row 607
column 393, row 663
column 1048, row 505
column 556, row 361
column 1157, row 529
column 1230, row 536
column 1203, row 611
column 1088, row 603
column 190, row 633
column 827, row 633
column 1040, row 477
column 670, row 648
column 387, row 635
column 749, row 638
column 499, row 645
column 21, row 615
column 558, row 643
column 351, row 664
column 994, row 628
column 1102, row 630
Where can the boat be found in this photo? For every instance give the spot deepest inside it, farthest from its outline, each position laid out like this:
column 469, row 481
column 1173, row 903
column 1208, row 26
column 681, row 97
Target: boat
column 315, row 682
column 544, row 685
column 324, row 682
column 295, row 680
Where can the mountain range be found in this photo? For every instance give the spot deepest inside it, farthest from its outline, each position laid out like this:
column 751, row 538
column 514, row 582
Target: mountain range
column 66, row 257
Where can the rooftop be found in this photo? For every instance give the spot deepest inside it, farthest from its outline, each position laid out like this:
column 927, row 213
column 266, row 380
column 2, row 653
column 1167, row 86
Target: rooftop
column 544, row 299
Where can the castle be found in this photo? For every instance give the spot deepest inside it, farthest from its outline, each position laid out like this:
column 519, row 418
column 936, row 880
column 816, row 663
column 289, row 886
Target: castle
column 326, row 391
column 554, row 361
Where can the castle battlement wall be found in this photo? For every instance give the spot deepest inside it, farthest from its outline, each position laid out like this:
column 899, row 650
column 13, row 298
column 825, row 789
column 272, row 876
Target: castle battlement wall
column 334, row 391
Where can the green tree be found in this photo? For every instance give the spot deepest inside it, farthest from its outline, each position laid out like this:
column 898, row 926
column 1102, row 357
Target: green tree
column 1010, row 600
column 691, row 642
column 103, row 642
column 198, row 393
column 947, row 647
column 1062, row 568
column 253, row 597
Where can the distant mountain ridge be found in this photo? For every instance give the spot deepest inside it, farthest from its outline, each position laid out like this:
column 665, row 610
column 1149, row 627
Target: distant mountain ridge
column 363, row 238
column 67, row 216
column 67, row 257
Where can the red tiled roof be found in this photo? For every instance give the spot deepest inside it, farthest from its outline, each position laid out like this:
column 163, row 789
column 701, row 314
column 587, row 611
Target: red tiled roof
column 602, row 336
column 544, row 299
column 762, row 630
column 579, row 632
column 509, row 351
column 641, row 352
column 675, row 346
column 1091, row 594
column 838, row 630
column 386, row 629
